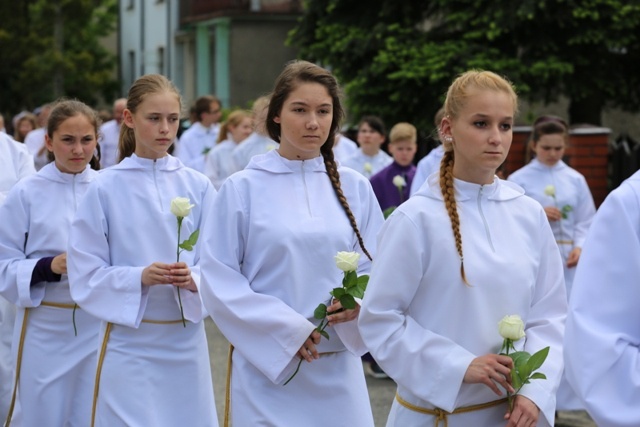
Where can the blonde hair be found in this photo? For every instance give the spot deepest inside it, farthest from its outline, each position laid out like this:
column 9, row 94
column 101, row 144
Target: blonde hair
column 403, row 131
column 465, row 86
column 235, row 119
column 145, row 85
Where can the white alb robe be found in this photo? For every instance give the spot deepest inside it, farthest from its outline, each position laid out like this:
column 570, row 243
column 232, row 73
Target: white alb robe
column 603, row 326
column 195, row 143
column 268, row 261
column 35, row 142
column 344, row 148
column 57, row 367
column 424, row 326
column 15, row 163
column 219, row 164
column 571, row 189
column 109, row 137
column 253, row 145
column 426, row 166
column 153, row 373
column 368, row 165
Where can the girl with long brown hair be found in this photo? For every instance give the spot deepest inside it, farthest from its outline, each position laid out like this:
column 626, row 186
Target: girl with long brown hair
column 268, row 262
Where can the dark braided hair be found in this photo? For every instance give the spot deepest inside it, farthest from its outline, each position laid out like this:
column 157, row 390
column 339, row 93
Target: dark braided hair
column 294, row 73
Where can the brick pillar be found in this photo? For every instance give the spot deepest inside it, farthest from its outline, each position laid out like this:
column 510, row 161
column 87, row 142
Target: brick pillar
column 587, row 153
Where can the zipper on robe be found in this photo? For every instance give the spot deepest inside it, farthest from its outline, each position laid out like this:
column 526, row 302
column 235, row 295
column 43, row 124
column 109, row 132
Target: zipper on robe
column 306, row 191
column 155, row 182
column 73, row 189
column 484, row 221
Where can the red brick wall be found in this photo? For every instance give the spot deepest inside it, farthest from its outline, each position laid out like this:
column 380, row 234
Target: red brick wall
column 587, row 153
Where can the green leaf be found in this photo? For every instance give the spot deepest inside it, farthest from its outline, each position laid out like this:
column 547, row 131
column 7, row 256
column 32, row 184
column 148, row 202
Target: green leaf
column 347, row 302
column 538, row 376
column 320, row 312
column 338, row 292
column 350, row 279
column 324, row 334
column 516, row 382
column 193, row 239
column 186, row 245
column 388, row 211
column 537, row 359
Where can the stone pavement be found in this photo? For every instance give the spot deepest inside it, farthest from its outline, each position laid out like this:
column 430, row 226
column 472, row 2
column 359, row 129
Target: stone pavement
column 381, row 392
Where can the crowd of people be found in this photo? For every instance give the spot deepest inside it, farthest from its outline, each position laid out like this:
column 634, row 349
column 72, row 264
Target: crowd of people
column 102, row 302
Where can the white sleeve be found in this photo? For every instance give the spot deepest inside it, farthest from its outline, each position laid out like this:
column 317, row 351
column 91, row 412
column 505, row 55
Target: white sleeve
column 603, row 328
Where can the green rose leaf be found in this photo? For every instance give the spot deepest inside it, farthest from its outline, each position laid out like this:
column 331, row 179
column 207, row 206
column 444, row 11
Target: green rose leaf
column 193, row 239
column 186, row 245
column 537, row 359
column 338, row 292
column 538, row 376
column 350, row 279
column 320, row 312
column 324, row 334
column 347, row 301
column 388, row 211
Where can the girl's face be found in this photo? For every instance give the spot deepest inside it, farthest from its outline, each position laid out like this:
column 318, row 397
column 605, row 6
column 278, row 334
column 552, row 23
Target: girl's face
column 550, row 148
column 73, row 144
column 305, row 121
column 240, row 132
column 155, row 124
column 24, row 128
column 369, row 138
column 482, row 135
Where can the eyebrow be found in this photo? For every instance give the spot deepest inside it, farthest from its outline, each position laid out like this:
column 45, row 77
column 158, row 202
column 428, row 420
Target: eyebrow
column 305, row 104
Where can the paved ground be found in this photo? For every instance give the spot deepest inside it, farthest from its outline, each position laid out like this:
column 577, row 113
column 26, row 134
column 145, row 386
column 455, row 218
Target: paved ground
column 381, row 392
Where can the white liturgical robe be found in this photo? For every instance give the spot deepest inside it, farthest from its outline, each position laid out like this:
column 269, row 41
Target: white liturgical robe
column 155, row 371
column 424, row 325
column 268, row 261
column 603, row 326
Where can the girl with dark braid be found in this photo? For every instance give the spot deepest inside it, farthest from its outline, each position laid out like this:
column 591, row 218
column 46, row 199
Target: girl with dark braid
column 269, row 261
column 465, row 251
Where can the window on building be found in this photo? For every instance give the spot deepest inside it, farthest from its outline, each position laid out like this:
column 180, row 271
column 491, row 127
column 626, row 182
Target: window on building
column 161, row 61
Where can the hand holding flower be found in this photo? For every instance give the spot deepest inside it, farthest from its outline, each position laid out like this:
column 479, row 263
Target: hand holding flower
column 181, row 207
column 524, row 412
column 511, row 328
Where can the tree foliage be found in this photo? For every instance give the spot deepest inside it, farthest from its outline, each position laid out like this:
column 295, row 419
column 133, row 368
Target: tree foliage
column 51, row 48
column 396, row 59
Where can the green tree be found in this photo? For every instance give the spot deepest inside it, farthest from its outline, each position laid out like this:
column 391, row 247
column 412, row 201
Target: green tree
column 51, row 48
column 396, row 59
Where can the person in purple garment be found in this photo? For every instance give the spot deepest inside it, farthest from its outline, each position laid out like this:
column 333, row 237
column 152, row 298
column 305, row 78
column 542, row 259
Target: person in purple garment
column 392, row 184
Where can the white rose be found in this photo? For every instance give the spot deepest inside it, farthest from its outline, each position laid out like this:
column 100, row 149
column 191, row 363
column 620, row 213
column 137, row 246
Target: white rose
column 181, row 206
column 399, row 181
column 511, row 327
column 550, row 190
column 347, row 261
column 367, row 167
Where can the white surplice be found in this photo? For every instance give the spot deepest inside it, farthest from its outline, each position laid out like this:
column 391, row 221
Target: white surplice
column 15, row 163
column 571, row 189
column 424, row 326
column 195, row 143
column 253, row 145
column 219, row 164
column 426, row 166
column 368, row 165
column 344, row 148
column 153, row 374
column 109, row 137
column 268, row 261
column 603, row 326
column 57, row 366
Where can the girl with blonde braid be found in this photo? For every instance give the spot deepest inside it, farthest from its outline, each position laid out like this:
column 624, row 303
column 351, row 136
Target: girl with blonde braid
column 466, row 250
column 268, row 261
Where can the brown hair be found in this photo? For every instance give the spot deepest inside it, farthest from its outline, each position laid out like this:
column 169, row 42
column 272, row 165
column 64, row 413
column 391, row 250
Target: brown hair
column 25, row 117
column 462, row 88
column 203, row 105
column 295, row 73
column 145, row 85
column 235, row 119
column 65, row 109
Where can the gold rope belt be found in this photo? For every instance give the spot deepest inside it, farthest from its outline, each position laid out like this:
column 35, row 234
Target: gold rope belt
column 564, row 242
column 23, row 333
column 227, row 394
column 441, row 414
column 103, row 350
